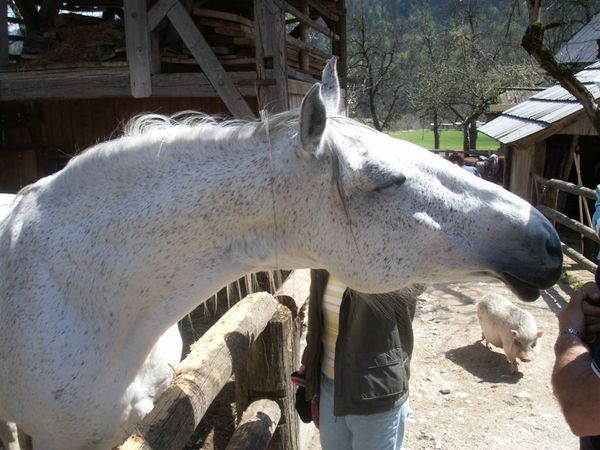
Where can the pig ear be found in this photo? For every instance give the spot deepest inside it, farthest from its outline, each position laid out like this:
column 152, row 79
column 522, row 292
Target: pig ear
column 514, row 333
column 540, row 333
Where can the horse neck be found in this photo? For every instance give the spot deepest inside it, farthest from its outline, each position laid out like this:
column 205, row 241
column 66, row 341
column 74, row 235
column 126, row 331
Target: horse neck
column 175, row 226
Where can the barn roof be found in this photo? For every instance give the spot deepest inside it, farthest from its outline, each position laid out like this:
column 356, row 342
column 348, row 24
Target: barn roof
column 541, row 110
column 582, row 48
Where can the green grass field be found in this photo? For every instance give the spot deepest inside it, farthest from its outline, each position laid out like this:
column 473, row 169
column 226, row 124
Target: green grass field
column 449, row 139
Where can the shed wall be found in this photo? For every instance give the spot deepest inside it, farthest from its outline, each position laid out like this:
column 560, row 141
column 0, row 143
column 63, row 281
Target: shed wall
column 46, row 134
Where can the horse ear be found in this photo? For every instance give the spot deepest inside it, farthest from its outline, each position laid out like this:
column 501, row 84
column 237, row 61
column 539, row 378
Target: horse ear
column 330, row 89
column 313, row 119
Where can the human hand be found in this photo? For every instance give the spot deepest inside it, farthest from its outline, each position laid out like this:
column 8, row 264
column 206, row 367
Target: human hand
column 573, row 315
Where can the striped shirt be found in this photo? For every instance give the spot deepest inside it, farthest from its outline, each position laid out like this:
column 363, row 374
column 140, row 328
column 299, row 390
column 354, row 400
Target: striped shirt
column 332, row 300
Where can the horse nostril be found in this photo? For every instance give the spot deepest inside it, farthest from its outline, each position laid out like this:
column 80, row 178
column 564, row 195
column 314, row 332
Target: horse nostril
column 553, row 247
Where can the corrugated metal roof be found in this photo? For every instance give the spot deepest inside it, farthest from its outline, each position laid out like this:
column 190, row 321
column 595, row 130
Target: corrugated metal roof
column 582, row 48
column 541, row 110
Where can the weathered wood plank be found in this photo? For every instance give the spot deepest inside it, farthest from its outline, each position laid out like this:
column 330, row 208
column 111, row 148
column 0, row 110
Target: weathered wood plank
column 311, row 23
column 256, row 427
column 575, row 255
column 158, row 12
column 568, row 222
column 209, row 63
column 138, row 47
column 304, row 46
column 323, row 10
column 201, row 12
column 266, row 371
column 566, row 186
column 201, row 376
column 269, row 29
column 113, row 83
column 3, row 33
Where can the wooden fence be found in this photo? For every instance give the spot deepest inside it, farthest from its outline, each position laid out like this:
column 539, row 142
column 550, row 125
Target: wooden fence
column 547, row 192
column 258, row 340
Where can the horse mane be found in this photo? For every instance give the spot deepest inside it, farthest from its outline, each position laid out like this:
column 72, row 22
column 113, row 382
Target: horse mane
column 156, row 124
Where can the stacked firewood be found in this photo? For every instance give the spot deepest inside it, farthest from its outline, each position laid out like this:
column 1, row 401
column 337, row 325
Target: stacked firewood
column 75, row 40
column 230, row 36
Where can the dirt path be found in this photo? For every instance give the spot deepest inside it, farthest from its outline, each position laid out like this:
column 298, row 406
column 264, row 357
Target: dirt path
column 486, row 406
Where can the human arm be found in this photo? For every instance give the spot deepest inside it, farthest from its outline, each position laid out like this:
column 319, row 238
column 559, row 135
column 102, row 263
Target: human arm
column 576, row 386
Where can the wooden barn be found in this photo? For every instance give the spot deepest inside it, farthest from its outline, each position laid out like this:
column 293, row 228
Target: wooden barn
column 549, row 137
column 72, row 71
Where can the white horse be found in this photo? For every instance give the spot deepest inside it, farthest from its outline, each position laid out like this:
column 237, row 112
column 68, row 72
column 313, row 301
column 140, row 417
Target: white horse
column 101, row 259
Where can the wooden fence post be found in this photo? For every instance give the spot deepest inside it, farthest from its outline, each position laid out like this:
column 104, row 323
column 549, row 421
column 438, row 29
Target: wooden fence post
column 201, row 376
column 256, row 429
column 272, row 359
column 266, row 374
column 4, row 58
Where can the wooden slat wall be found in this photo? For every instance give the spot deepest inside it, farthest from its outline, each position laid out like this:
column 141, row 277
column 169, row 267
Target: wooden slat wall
column 68, row 127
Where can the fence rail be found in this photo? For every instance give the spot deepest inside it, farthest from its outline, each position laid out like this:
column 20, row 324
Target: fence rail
column 577, row 226
column 222, row 351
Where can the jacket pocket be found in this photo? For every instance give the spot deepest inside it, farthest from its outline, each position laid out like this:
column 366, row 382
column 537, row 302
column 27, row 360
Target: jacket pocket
column 382, row 374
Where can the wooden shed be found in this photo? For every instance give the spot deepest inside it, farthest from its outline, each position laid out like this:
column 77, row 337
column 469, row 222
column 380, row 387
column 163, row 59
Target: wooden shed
column 550, row 136
column 72, row 71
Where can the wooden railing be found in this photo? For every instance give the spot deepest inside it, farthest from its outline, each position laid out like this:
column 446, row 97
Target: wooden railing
column 543, row 186
column 258, row 340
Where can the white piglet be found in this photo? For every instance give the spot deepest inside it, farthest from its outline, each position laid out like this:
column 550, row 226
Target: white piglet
column 505, row 325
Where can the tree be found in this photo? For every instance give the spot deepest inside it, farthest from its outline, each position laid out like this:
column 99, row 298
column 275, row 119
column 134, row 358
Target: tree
column 533, row 41
column 428, row 90
column 375, row 56
column 465, row 63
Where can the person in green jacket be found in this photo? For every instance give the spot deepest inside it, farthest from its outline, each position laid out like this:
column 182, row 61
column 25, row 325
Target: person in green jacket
column 357, row 364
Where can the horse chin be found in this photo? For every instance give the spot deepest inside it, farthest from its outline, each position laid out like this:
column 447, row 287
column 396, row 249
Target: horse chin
column 522, row 289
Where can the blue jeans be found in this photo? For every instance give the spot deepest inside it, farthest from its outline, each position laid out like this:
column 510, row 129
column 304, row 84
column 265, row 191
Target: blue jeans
column 379, row 431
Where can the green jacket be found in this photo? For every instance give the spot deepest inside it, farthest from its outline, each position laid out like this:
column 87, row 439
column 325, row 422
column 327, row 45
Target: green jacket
column 373, row 349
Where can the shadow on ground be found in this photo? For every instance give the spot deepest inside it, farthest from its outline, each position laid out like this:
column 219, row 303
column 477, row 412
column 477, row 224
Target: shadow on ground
column 487, row 365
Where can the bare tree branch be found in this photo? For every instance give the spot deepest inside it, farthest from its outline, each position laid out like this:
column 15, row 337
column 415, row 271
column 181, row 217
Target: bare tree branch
column 533, row 42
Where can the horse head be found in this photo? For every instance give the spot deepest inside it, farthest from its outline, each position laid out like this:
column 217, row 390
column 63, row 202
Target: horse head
column 381, row 213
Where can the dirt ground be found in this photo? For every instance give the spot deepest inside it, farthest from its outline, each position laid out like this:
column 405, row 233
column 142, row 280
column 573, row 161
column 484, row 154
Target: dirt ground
column 463, row 395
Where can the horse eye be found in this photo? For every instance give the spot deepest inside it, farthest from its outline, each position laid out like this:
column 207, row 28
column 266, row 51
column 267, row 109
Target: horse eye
column 396, row 181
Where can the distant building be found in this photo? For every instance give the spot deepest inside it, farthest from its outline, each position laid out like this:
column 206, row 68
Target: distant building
column 542, row 134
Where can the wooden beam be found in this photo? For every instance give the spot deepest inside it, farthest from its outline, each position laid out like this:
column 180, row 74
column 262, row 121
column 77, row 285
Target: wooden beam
column 311, row 23
column 256, row 427
column 111, row 83
column 158, row 12
column 202, row 374
column 323, row 10
column 266, row 371
column 137, row 41
column 3, row 33
column 569, row 223
column 575, row 255
column 303, row 45
column 566, row 186
column 271, row 60
column 209, row 63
